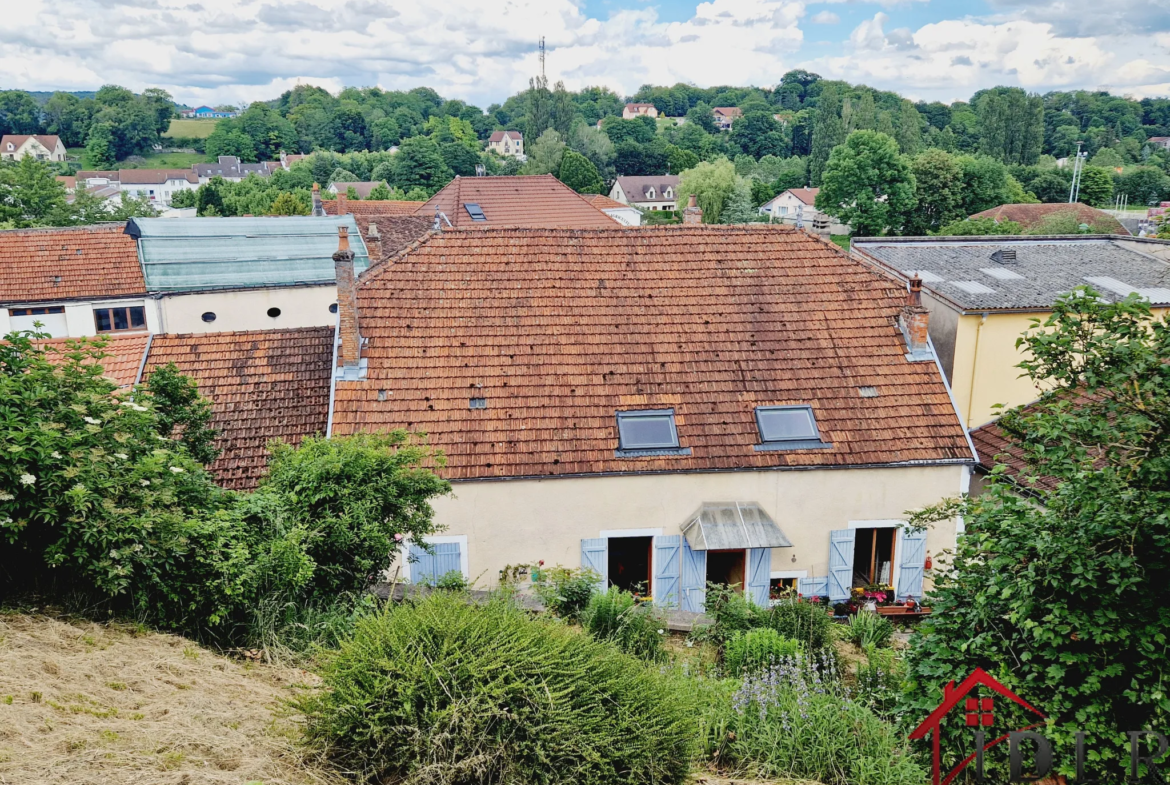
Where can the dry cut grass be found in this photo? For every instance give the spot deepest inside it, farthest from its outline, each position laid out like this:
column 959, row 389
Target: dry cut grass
column 104, row 703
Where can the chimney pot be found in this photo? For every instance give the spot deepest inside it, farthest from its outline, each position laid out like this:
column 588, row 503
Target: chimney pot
column 374, row 241
column 349, row 353
column 693, row 214
column 317, row 208
column 915, row 296
column 341, row 208
column 916, row 323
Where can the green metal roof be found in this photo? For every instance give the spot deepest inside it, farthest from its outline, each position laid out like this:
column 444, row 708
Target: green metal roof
column 183, row 254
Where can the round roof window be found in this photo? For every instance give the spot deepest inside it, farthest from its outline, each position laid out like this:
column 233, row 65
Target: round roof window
column 274, row 312
column 333, row 308
column 208, row 316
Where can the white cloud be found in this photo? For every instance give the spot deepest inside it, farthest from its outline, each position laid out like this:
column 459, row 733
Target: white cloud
column 824, row 18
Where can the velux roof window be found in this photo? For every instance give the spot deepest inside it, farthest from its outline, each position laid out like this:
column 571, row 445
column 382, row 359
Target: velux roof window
column 648, row 432
column 788, row 428
column 475, row 211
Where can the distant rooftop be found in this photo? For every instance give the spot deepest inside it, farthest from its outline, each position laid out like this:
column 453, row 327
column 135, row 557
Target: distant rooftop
column 210, row 253
column 1023, row 273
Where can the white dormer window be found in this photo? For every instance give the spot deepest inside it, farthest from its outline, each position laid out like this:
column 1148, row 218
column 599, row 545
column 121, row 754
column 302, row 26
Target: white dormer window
column 650, row 193
column 669, row 193
column 11, row 146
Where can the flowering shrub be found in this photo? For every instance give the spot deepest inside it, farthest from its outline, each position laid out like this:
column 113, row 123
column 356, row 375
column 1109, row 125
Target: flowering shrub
column 796, row 720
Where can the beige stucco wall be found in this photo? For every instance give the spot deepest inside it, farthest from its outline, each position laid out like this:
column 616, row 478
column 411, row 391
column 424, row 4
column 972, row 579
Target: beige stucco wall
column 524, row 521
column 300, row 306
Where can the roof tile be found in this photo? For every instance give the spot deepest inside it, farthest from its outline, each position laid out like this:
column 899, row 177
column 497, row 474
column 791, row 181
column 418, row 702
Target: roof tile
column 536, row 201
column 61, row 264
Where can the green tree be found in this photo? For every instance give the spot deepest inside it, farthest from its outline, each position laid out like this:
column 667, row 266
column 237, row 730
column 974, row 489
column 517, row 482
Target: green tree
column 380, row 192
column 184, row 416
column 828, row 132
column 539, row 108
column 1060, row 587
column 418, row 164
column 632, row 158
column 288, row 204
column 702, row 116
column 909, row 129
column 545, row 154
column 226, row 140
column 969, row 227
column 938, row 182
column 739, row 207
column 580, row 174
column 209, row 197
column 1096, row 186
column 184, row 198
column 19, row 113
column 867, row 184
column 865, row 116
column 99, row 147
column 1144, row 185
column 1011, row 125
column 679, row 159
column 33, row 195
column 1050, row 187
column 68, row 117
column 758, row 134
column 984, row 183
column 711, row 182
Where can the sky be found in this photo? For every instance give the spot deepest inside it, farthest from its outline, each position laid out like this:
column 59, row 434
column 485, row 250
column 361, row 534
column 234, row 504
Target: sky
column 481, row 51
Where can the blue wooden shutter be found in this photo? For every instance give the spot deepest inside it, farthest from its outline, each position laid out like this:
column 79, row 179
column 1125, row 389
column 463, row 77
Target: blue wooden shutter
column 813, row 587
column 422, row 565
column 447, row 559
column 841, row 564
column 694, row 578
column 667, row 569
column 595, row 556
column 759, row 575
column 912, row 546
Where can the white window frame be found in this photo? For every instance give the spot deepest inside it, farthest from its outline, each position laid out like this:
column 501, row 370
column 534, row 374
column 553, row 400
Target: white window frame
column 887, row 523
column 438, row 540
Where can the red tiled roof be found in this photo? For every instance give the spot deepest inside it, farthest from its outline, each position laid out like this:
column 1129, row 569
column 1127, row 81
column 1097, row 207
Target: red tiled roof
column 373, row 207
column 498, row 136
column 70, row 183
column 559, row 329
column 728, row 111
column 61, row 264
column 1030, row 215
column 536, row 201
column 603, row 202
column 123, row 360
column 362, row 189
column 263, row 385
column 49, row 141
column 806, row 195
column 395, row 232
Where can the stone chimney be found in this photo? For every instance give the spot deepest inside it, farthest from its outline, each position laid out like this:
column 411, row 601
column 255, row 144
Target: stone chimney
column 693, row 214
column 317, row 208
column 374, row 242
column 341, row 208
column 916, row 323
column 349, row 353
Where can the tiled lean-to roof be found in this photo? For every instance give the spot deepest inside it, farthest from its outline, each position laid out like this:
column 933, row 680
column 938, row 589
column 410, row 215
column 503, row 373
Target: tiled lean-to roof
column 535, row 201
column 557, row 330
column 123, row 358
column 263, row 385
column 362, row 207
column 64, row 264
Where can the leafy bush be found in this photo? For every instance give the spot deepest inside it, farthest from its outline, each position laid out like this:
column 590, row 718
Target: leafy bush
column 756, row 650
column 731, row 611
column 445, row 691
column 867, row 628
column 452, row 580
column 618, row 617
column 801, row 620
column 565, row 591
column 796, row 721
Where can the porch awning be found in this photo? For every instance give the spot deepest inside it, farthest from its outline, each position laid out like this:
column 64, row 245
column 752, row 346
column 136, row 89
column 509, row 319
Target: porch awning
column 732, row 525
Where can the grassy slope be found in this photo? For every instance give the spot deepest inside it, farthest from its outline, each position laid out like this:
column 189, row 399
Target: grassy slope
column 197, row 129
column 92, row 703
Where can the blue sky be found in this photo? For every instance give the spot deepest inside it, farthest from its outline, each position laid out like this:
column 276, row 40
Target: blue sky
column 235, row 51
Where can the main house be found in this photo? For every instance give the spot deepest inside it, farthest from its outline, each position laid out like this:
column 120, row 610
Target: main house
column 630, row 111
column 666, row 406
column 799, row 205
column 647, row 193
column 725, row 116
column 984, row 292
column 508, row 143
column 43, row 147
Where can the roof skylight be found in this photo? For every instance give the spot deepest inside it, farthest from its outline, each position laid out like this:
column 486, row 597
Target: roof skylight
column 1001, row 274
column 973, row 287
column 647, row 431
column 787, row 428
column 475, row 211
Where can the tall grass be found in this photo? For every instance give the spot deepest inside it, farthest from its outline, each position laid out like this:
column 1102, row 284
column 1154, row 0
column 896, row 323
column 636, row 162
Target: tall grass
column 618, row 617
column 867, row 628
column 756, row 650
column 444, row 692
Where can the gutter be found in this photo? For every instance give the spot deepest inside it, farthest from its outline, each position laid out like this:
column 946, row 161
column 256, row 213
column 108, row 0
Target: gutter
column 333, row 376
column 142, row 362
column 974, row 366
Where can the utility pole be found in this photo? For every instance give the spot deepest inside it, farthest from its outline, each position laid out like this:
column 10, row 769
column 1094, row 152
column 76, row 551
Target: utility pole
column 542, row 76
column 1075, row 191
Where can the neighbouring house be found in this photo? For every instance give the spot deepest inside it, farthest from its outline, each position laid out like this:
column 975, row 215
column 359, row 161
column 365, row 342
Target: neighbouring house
column 984, row 292
column 535, row 201
column 801, row 203
column 43, row 147
column 181, row 275
column 726, row 115
column 287, row 160
column 622, row 213
column 69, row 182
column 668, row 406
column 207, row 113
column 509, row 143
column 1160, row 141
column 361, row 189
column 1029, row 216
column 647, row 193
column 156, row 185
column 630, row 111
column 369, row 207
column 230, row 168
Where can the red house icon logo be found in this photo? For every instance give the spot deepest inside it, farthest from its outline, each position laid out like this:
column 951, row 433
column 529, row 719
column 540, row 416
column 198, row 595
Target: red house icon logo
column 979, row 713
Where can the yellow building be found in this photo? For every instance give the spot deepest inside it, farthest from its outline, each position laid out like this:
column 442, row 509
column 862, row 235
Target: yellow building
column 984, row 292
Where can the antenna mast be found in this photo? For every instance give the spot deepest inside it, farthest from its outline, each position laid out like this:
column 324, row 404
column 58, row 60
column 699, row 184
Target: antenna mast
column 542, row 76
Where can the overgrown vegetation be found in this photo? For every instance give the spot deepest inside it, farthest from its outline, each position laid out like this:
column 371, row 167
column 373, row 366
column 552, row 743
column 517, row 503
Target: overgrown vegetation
column 441, row 690
column 867, row 628
column 756, row 650
column 618, row 617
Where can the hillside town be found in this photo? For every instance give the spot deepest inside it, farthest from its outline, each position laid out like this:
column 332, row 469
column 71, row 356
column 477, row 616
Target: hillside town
column 586, row 437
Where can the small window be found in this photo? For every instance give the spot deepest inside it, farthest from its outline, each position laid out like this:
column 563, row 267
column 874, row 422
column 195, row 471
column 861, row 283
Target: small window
column 475, row 212
column 648, row 431
column 208, row 316
column 116, row 320
column 788, row 428
column 36, row 311
column 477, row 403
column 333, row 308
column 274, row 312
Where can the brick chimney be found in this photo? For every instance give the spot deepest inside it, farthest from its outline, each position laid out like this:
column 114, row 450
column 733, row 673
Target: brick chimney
column 341, row 208
column 317, row 208
column 915, row 325
column 693, row 214
column 349, row 353
column 374, row 243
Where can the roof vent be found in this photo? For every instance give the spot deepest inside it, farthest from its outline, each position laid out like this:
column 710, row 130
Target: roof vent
column 868, row 392
column 1004, row 256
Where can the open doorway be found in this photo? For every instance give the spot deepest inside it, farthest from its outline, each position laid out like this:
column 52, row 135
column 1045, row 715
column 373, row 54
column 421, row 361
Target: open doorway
column 629, row 563
column 873, row 556
column 726, row 567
